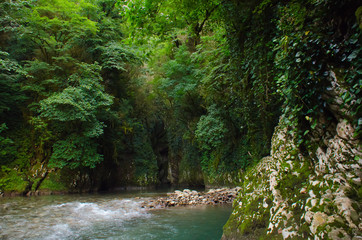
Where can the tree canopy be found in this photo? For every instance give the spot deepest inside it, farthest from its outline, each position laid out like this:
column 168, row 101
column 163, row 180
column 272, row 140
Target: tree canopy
column 147, row 92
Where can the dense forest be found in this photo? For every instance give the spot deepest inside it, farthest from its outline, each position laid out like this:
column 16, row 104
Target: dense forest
column 101, row 94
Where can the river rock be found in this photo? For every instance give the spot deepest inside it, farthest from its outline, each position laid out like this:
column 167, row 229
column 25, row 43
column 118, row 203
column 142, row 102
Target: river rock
column 188, row 197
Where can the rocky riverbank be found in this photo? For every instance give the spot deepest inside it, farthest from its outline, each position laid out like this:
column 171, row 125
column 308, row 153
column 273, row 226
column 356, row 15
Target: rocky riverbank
column 192, row 197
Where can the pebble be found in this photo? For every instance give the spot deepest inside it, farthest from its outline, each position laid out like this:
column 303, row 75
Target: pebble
column 188, row 197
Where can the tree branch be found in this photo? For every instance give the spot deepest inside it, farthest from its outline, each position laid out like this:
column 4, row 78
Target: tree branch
column 207, row 16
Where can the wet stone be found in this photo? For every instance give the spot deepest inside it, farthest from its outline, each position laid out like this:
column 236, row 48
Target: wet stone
column 188, row 197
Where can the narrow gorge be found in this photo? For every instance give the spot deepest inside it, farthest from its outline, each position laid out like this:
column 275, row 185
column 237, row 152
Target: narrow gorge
column 260, row 100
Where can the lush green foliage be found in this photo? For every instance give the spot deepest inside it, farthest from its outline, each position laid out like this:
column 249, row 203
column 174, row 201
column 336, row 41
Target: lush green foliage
column 310, row 53
column 152, row 90
column 64, row 73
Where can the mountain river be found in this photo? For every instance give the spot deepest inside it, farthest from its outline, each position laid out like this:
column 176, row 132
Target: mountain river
column 107, row 216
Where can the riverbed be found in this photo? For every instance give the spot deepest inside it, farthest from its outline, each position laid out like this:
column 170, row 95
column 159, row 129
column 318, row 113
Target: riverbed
column 107, row 216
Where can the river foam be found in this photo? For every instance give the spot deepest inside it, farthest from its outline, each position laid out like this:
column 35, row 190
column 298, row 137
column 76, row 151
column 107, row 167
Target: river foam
column 67, row 220
column 117, row 216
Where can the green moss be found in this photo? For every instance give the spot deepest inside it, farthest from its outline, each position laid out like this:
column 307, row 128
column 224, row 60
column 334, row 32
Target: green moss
column 304, row 230
column 189, row 172
column 146, row 180
column 231, row 224
column 335, row 225
column 290, row 184
column 355, row 194
column 271, row 237
column 53, row 183
column 249, row 223
column 11, row 180
column 298, row 211
column 223, row 179
column 35, row 183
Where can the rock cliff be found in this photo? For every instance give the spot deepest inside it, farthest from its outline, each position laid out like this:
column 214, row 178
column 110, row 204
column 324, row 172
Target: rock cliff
column 310, row 194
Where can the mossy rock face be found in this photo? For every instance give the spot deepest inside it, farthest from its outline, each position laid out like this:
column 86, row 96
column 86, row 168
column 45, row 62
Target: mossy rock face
column 53, row 183
column 251, row 210
column 190, row 174
column 294, row 196
column 222, row 179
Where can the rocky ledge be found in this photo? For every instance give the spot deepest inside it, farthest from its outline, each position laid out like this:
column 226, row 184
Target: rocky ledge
column 192, row 197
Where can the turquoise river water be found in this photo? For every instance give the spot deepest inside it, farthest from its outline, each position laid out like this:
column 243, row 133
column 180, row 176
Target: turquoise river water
column 107, row 216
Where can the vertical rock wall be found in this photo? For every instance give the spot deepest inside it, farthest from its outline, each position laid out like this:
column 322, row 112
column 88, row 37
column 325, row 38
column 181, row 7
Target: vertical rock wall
column 314, row 195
